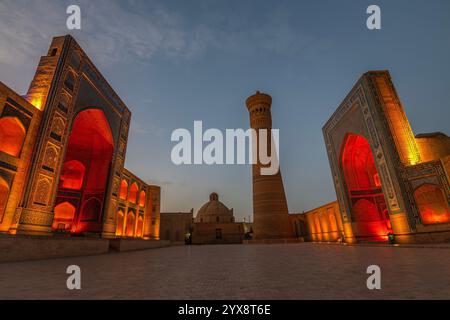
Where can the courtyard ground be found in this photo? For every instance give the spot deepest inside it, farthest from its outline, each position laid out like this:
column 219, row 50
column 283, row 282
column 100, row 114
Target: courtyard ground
column 294, row 271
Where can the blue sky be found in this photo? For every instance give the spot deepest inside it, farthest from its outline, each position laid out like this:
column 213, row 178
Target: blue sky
column 174, row 62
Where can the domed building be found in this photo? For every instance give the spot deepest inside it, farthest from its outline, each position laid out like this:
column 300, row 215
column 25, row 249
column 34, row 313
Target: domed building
column 214, row 211
column 215, row 224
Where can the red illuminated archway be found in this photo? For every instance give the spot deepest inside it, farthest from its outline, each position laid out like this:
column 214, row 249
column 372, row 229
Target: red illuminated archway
column 140, row 227
column 120, row 223
column 432, row 204
column 86, row 169
column 12, row 136
column 363, row 184
column 4, row 191
column 123, row 190
column 142, row 199
column 72, row 175
column 64, row 215
column 133, row 193
column 129, row 231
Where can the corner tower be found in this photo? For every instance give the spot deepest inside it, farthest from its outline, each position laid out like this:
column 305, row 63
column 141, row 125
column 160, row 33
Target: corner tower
column 270, row 210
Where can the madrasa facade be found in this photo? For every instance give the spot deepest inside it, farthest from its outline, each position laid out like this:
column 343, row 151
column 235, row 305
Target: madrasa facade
column 62, row 154
column 389, row 182
column 391, row 185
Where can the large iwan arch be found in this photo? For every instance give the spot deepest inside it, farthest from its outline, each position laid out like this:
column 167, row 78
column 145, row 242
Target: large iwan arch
column 86, row 169
column 368, row 206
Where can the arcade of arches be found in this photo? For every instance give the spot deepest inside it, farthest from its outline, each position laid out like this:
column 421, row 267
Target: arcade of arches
column 323, row 224
column 132, row 200
column 134, row 228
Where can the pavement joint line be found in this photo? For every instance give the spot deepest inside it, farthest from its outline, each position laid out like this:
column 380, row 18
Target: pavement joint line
column 423, row 246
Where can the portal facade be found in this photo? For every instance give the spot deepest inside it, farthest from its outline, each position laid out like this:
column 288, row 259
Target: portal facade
column 63, row 151
column 388, row 182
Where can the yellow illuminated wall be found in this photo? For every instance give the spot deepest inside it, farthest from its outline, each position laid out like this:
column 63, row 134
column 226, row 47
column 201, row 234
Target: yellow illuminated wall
column 43, row 78
column 322, row 224
column 433, row 146
column 37, row 102
column 398, row 122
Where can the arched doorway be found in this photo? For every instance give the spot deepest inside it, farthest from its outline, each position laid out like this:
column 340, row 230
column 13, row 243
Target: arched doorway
column 432, row 204
column 4, row 192
column 133, row 193
column 140, row 227
column 123, row 193
column 64, row 215
column 120, row 223
column 368, row 206
column 91, row 210
column 12, row 136
column 142, row 199
column 129, row 231
column 86, row 169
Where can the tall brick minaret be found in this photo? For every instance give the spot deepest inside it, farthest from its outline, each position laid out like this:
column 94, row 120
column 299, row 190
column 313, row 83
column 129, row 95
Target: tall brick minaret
column 270, row 210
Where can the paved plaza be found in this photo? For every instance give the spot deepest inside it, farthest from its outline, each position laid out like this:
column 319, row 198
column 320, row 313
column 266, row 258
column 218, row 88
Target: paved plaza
column 295, row 271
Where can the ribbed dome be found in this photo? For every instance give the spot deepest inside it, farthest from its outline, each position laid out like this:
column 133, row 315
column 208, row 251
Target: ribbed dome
column 214, row 211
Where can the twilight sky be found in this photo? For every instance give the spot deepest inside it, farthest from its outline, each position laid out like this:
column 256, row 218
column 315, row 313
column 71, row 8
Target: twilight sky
column 176, row 61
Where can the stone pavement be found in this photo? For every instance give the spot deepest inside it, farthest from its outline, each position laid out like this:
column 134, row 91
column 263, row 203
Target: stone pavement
column 291, row 271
